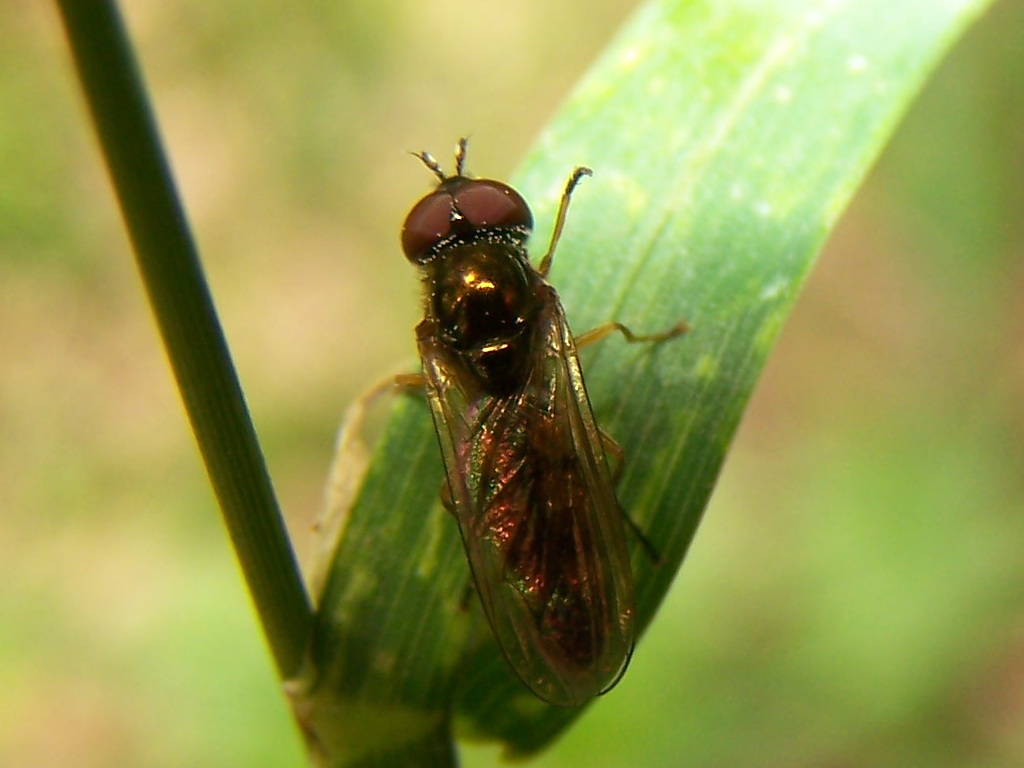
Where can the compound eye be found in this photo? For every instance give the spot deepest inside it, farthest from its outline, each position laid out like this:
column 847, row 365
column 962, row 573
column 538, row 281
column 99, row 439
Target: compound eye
column 429, row 221
column 486, row 203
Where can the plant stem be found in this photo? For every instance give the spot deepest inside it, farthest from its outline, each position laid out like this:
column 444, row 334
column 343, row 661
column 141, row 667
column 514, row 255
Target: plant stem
column 169, row 264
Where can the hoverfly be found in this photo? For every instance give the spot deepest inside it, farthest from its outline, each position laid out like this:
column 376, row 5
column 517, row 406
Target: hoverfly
column 527, row 476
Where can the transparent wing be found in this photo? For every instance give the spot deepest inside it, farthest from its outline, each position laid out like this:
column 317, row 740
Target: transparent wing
column 535, row 504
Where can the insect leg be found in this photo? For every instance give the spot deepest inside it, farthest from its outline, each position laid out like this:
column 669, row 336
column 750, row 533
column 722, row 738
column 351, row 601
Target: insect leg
column 612, row 447
column 403, row 382
column 350, row 436
column 595, row 335
column 467, row 595
column 446, row 497
column 563, row 207
column 348, row 467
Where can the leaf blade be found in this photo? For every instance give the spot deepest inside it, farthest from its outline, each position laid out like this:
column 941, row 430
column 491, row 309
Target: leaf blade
column 726, row 139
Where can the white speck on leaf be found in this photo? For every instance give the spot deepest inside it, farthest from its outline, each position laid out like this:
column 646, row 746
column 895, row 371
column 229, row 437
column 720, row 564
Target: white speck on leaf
column 705, row 367
column 773, row 289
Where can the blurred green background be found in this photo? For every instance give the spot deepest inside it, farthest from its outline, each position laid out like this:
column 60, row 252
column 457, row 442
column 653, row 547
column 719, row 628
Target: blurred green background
column 855, row 596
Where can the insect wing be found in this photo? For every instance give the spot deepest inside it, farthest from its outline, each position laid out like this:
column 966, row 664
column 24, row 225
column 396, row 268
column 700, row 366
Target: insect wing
column 535, row 504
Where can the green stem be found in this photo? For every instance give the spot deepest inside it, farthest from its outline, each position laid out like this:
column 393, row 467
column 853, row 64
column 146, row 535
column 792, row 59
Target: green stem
column 169, row 263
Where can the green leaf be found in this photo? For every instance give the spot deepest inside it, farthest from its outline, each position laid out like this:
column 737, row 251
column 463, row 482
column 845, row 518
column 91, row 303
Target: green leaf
column 726, row 137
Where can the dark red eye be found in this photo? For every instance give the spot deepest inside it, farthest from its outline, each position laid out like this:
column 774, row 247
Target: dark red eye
column 429, row 221
column 488, row 203
column 461, row 205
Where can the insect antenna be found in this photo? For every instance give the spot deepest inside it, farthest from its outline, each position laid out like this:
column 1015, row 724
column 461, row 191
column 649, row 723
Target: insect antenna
column 460, row 155
column 428, row 160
